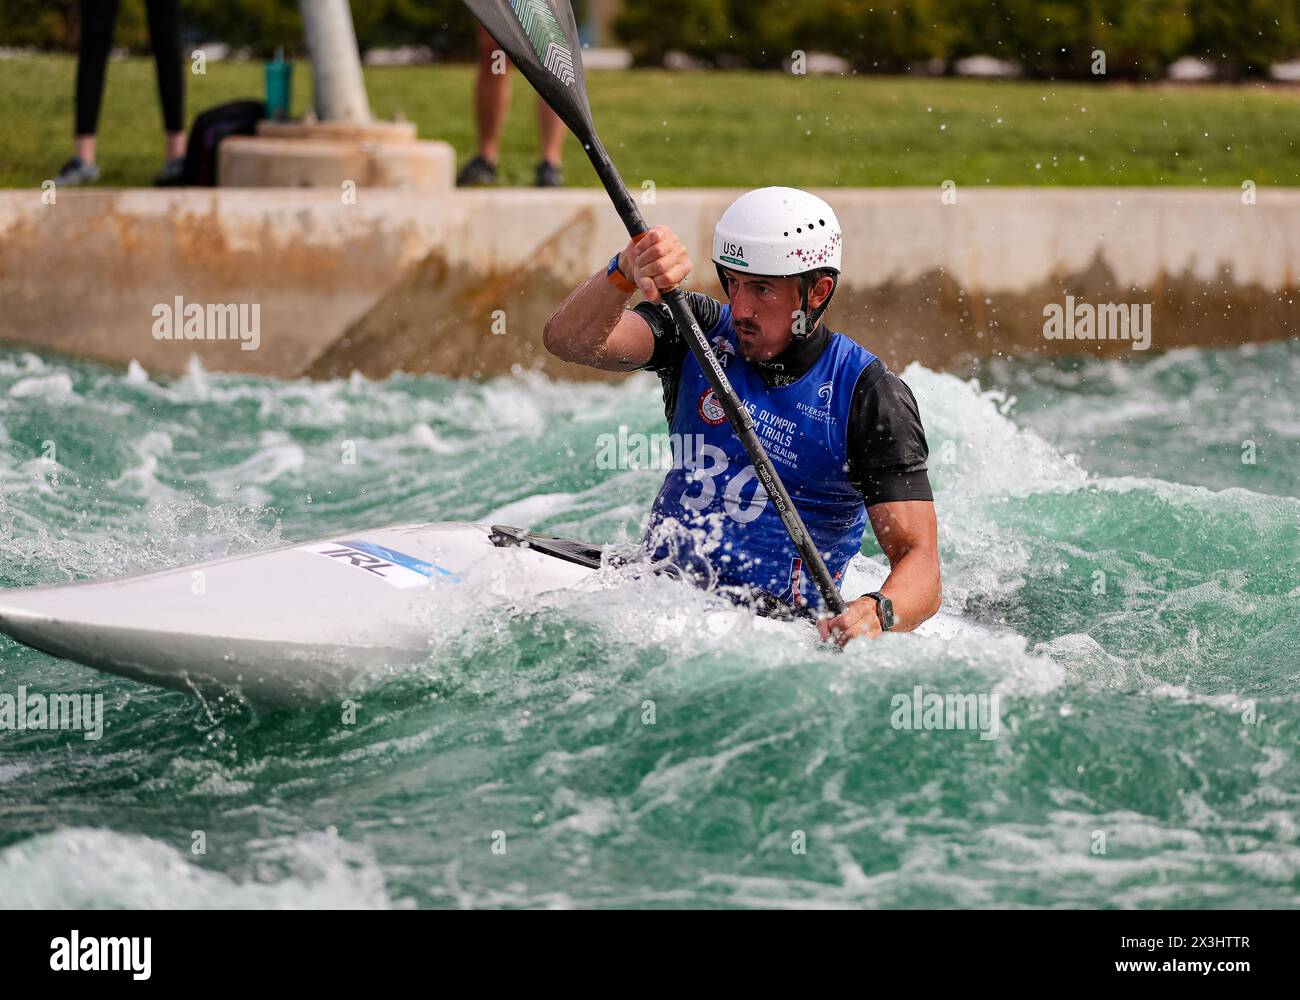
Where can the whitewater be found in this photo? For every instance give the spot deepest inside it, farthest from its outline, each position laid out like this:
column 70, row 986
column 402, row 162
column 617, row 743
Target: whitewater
column 1127, row 532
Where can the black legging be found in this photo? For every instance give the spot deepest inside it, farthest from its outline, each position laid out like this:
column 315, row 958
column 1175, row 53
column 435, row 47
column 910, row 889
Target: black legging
column 97, row 19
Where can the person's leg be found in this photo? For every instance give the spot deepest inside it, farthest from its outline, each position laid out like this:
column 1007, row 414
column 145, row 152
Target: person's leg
column 491, row 103
column 97, row 19
column 491, row 96
column 551, row 132
column 85, row 148
column 165, row 40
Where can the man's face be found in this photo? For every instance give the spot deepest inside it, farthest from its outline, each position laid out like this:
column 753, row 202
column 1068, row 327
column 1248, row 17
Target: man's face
column 763, row 313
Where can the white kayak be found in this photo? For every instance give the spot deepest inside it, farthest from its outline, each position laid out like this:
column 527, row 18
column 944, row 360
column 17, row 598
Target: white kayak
column 298, row 623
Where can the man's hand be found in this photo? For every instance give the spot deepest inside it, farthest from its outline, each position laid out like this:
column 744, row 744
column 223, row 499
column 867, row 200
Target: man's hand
column 656, row 263
column 859, row 618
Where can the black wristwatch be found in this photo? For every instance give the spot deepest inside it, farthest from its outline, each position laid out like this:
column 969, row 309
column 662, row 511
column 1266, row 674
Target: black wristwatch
column 884, row 610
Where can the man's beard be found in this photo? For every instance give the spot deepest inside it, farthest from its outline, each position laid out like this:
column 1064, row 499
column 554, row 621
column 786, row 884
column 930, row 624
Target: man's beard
column 746, row 340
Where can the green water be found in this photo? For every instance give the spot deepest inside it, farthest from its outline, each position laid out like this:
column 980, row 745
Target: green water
column 1140, row 578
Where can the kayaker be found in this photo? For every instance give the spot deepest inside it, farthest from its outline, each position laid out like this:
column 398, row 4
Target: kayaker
column 844, row 432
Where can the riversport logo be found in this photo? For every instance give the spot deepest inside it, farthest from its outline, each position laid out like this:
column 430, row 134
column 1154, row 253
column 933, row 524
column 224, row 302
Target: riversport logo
column 215, row 321
column 56, row 711
column 921, row 710
column 95, row 954
column 1104, row 321
column 825, row 393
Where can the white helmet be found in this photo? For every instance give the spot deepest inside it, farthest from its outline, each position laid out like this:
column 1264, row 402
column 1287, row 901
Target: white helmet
column 779, row 231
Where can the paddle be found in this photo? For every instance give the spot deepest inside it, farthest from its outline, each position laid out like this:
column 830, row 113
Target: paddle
column 541, row 38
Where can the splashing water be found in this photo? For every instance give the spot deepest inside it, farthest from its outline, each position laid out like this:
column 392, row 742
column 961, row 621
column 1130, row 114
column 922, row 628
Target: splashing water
column 1140, row 577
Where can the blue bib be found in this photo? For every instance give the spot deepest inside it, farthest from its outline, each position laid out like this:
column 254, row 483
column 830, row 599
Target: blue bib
column 714, row 519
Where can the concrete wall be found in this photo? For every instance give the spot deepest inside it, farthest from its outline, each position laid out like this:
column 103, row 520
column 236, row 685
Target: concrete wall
column 423, row 282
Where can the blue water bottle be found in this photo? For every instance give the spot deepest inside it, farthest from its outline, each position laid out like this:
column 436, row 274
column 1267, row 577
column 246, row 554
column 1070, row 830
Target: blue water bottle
column 279, row 87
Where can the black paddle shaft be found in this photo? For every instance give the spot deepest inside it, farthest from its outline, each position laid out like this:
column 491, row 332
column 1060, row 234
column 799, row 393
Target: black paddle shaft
column 541, row 38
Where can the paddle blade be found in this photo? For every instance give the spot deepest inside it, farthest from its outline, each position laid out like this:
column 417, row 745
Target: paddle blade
column 541, row 39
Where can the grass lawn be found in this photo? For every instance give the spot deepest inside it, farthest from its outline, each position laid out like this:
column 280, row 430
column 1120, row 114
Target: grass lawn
column 737, row 129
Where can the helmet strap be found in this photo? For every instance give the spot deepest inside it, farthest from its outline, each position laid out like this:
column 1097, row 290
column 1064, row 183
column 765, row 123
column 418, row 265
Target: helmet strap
column 814, row 317
column 807, row 322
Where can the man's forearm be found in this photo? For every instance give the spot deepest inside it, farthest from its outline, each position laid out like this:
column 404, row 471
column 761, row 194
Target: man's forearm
column 913, row 588
column 579, row 328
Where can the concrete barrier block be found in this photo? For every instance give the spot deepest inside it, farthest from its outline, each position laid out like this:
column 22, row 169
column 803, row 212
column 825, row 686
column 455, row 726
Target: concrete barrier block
column 338, row 131
column 261, row 161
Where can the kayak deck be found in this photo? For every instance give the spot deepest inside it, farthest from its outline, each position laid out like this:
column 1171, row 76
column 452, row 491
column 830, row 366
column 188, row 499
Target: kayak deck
column 299, row 622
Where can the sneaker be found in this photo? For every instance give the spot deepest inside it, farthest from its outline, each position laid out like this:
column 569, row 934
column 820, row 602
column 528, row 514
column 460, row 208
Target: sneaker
column 478, row 172
column 549, row 175
column 76, row 171
column 171, row 173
